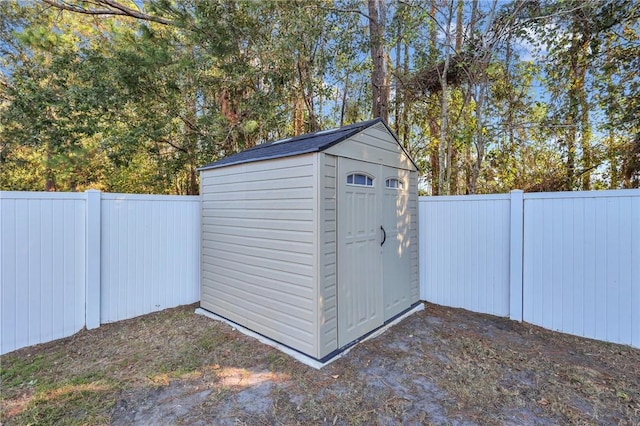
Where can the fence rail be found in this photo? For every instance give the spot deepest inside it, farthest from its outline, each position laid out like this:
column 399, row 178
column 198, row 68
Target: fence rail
column 70, row 260
column 567, row 261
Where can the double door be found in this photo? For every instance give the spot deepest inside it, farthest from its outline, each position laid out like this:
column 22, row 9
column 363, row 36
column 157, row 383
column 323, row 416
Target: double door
column 374, row 268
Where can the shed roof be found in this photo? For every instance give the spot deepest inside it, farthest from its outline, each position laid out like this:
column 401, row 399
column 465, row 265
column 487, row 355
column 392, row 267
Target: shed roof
column 302, row 144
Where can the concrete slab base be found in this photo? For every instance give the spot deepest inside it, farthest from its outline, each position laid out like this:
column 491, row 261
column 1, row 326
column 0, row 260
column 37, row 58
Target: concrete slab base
column 305, row 359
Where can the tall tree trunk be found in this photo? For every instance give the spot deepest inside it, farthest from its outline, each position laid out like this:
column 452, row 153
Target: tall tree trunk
column 379, row 85
column 612, row 156
column 481, row 83
column 399, row 22
column 50, row 178
column 452, row 161
column 433, row 33
column 585, row 126
column 585, row 142
column 445, row 144
column 344, row 100
column 405, row 99
column 190, row 134
column 459, row 19
column 298, row 114
column 571, row 126
column 306, row 92
column 479, row 138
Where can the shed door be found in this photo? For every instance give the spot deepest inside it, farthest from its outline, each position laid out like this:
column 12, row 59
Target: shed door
column 360, row 304
column 396, row 260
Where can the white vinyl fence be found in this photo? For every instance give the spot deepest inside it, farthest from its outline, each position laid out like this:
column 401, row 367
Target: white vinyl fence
column 70, row 260
column 567, row 261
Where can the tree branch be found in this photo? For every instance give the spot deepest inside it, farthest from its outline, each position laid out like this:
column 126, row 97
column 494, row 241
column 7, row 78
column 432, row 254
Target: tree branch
column 108, row 8
column 338, row 10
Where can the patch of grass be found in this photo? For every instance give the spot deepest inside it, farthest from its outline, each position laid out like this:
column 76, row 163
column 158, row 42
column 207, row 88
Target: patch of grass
column 16, row 372
column 81, row 403
column 83, row 399
column 440, row 366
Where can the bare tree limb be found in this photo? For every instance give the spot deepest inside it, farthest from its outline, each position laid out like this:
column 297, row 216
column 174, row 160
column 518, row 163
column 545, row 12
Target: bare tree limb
column 107, row 8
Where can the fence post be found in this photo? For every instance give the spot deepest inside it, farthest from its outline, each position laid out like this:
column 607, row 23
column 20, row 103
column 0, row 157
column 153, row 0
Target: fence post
column 92, row 306
column 515, row 254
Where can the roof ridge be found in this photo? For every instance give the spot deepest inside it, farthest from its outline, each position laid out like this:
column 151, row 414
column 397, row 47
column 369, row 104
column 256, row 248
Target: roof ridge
column 307, row 142
column 319, row 132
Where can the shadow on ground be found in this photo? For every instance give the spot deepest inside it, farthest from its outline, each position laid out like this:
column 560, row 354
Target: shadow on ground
column 439, row 366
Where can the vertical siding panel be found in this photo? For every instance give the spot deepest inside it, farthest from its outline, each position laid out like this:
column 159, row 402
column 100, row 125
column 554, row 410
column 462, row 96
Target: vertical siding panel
column 471, row 294
column 144, row 278
column 166, row 221
column 443, row 274
column 449, row 242
column 435, row 249
column 578, row 267
column 635, row 271
column 625, row 310
column 612, row 253
column 80, row 264
column 34, row 268
column 8, row 274
column 67, row 268
column 465, row 252
column 176, row 255
column 58, row 258
column 600, row 330
column 530, row 220
column 423, row 247
column 131, row 289
column 327, row 275
column 46, row 271
column 549, row 248
column 474, row 257
column 149, row 254
column 589, row 290
column 156, row 238
column 141, row 254
column 22, row 273
column 138, row 252
column 588, row 246
column 506, row 258
column 37, row 251
column 123, row 261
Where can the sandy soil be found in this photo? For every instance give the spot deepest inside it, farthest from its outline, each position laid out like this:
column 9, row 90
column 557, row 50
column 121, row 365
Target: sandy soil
column 439, row 366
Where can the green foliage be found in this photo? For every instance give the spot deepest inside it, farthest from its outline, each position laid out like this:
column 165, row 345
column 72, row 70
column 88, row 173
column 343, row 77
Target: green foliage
column 129, row 104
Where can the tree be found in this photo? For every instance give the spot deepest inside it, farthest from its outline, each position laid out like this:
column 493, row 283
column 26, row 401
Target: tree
column 134, row 96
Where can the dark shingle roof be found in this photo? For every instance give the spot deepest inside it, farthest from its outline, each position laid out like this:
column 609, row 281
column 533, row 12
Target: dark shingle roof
column 302, row 144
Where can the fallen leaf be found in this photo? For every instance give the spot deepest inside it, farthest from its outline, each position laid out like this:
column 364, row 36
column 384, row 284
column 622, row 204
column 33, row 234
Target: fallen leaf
column 335, row 376
column 543, row 402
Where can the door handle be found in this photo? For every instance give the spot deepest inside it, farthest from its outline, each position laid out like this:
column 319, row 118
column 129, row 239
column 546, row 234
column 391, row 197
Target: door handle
column 384, row 236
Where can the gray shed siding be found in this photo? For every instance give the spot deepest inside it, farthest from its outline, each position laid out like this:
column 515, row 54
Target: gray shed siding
column 374, row 145
column 413, row 236
column 259, row 250
column 328, row 299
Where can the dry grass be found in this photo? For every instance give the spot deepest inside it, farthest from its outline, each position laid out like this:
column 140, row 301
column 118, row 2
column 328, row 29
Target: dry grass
column 439, row 366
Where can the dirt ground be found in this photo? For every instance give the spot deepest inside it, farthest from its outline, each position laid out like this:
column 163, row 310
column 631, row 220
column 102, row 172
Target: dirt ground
column 439, row 366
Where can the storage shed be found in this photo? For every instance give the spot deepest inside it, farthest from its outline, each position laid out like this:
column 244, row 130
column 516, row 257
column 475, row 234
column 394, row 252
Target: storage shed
column 312, row 241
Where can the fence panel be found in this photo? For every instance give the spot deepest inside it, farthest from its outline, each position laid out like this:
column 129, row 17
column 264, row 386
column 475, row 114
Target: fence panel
column 150, row 254
column 581, row 270
column 464, row 252
column 42, row 267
